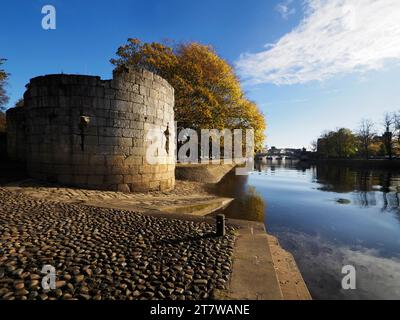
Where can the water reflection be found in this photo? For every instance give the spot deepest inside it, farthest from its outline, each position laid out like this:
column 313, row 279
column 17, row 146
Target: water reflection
column 362, row 184
column 365, row 185
column 248, row 204
column 327, row 216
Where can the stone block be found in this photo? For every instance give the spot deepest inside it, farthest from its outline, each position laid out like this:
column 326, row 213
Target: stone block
column 120, row 150
column 105, row 150
column 136, row 98
column 125, row 142
column 139, row 187
column 109, row 94
column 121, row 105
column 121, row 123
column 129, row 178
column 144, row 91
column 117, row 170
column 133, row 160
column 134, row 88
column 109, row 132
column 122, row 95
column 127, row 133
column 108, row 141
column 115, row 160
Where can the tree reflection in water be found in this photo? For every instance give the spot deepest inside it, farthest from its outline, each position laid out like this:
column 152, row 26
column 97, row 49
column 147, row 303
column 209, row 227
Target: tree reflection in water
column 364, row 186
column 248, row 203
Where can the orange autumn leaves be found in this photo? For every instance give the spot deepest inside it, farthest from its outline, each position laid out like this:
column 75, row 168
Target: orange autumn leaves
column 207, row 91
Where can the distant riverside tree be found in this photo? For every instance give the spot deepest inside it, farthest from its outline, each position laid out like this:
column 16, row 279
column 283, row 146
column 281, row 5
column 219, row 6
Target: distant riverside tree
column 388, row 123
column 365, row 135
column 208, row 94
column 345, row 143
column 338, row 144
column 367, row 142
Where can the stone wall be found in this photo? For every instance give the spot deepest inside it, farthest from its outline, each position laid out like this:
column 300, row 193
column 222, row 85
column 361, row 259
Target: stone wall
column 84, row 131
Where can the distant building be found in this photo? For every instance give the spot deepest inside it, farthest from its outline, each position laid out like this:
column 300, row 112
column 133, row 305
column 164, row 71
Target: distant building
column 273, row 151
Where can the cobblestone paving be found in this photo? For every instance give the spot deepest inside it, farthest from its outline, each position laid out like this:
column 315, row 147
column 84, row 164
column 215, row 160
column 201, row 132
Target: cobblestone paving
column 106, row 254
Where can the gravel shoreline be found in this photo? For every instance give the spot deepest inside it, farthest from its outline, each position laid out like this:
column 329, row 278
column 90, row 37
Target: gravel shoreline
column 107, row 254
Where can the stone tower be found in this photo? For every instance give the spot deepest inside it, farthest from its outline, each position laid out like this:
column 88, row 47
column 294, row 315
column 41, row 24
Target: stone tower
column 87, row 132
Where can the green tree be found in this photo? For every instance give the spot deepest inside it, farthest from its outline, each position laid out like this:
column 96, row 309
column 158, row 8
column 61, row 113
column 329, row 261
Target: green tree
column 207, row 91
column 341, row 143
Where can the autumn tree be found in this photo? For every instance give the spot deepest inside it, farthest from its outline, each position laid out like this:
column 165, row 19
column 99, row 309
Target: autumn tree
column 208, row 94
column 365, row 135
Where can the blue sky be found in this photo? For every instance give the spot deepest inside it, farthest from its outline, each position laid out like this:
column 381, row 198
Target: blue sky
column 310, row 65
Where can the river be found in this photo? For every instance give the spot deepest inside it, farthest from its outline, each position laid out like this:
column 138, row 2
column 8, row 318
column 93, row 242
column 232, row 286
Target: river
column 327, row 216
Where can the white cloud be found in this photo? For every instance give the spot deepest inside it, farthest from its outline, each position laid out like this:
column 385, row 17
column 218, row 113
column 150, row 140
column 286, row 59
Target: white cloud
column 284, row 9
column 336, row 37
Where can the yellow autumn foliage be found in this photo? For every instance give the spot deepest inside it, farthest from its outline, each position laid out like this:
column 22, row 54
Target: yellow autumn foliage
column 207, row 91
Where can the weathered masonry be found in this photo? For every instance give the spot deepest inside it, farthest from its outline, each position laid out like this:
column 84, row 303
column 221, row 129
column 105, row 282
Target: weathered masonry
column 87, row 132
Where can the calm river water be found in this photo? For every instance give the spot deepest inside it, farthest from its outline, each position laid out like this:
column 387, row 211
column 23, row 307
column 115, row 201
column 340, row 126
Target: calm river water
column 327, row 217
